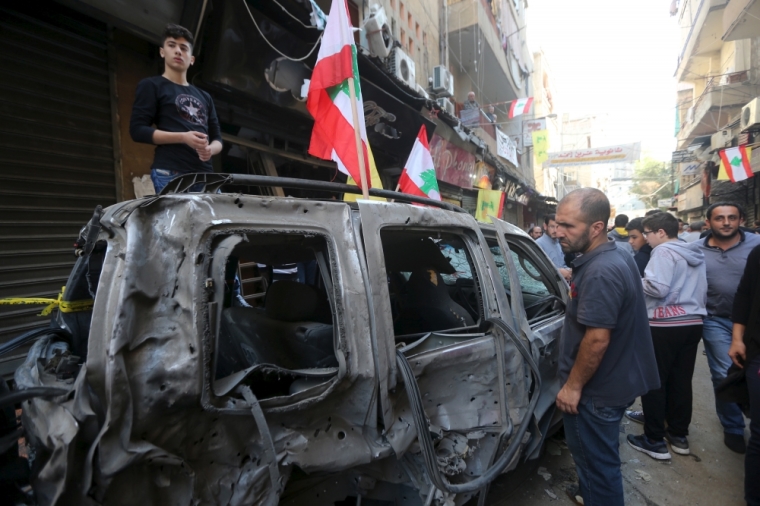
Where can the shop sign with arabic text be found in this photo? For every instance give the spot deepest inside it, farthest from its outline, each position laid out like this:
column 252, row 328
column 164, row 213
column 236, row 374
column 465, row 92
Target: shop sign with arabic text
column 608, row 154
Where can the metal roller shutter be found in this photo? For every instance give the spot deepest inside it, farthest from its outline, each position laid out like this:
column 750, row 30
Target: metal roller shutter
column 56, row 153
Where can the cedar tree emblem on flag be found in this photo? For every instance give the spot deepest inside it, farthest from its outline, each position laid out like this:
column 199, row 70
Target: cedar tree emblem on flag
column 736, row 163
column 329, row 98
column 520, row 106
column 418, row 177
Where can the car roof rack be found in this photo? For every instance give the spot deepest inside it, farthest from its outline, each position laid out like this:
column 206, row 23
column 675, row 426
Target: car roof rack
column 207, row 182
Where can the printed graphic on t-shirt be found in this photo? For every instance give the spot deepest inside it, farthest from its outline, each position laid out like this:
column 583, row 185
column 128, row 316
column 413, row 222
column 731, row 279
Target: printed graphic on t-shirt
column 191, row 109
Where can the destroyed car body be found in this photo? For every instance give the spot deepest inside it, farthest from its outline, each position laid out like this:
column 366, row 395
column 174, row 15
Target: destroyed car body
column 396, row 363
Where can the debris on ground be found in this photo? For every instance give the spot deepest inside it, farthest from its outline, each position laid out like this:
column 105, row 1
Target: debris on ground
column 550, row 494
column 546, row 475
column 573, row 492
column 553, row 448
column 643, row 475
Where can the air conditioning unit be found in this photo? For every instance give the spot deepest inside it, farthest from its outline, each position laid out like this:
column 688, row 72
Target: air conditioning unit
column 720, row 140
column 751, row 115
column 443, row 81
column 379, row 38
column 402, row 67
column 446, row 105
column 421, row 92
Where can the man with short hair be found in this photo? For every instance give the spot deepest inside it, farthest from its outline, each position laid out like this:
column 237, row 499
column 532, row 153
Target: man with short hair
column 535, row 232
column 550, row 244
column 186, row 132
column 637, row 240
column 675, row 288
column 619, row 234
column 695, row 230
column 607, row 359
column 726, row 249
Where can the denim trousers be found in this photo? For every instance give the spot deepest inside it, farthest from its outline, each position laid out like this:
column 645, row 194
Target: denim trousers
column 593, row 438
column 716, row 333
column 161, row 178
column 752, row 458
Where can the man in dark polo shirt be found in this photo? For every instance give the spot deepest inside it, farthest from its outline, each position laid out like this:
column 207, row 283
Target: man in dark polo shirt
column 607, row 358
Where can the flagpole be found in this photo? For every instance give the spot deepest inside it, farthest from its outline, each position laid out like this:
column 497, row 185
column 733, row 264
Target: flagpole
column 358, row 137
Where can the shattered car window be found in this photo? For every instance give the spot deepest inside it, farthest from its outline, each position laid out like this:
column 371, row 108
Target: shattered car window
column 290, row 329
column 432, row 285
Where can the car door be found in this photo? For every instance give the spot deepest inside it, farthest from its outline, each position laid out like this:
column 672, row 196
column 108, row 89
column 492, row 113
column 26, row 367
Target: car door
column 471, row 378
column 540, row 303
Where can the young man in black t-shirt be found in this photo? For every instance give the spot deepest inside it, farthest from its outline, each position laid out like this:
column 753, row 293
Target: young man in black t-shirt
column 186, row 131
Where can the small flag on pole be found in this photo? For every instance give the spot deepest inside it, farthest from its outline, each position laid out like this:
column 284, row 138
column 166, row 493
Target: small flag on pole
column 520, row 106
column 418, row 177
column 329, row 99
column 736, row 163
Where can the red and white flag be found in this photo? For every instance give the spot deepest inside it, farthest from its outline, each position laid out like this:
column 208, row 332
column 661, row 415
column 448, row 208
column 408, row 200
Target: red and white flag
column 329, row 100
column 520, row 106
column 736, row 163
column 418, row 177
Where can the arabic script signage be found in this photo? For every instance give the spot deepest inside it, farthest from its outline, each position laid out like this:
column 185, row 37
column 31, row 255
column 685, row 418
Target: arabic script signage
column 609, row 154
column 530, row 126
column 452, row 164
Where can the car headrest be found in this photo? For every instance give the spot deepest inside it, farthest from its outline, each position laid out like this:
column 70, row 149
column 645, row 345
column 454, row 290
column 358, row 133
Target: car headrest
column 427, row 280
column 291, row 301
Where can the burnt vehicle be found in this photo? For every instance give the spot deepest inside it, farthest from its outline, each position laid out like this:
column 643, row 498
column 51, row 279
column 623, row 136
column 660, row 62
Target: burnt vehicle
column 400, row 353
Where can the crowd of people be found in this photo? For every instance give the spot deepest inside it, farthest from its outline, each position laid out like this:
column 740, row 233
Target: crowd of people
column 643, row 296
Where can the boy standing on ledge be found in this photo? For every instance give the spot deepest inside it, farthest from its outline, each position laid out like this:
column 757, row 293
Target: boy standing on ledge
column 186, row 131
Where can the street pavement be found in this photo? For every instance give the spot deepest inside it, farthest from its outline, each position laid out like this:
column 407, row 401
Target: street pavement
column 711, row 475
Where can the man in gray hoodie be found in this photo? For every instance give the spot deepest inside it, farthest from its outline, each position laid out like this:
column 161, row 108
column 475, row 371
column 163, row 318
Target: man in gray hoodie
column 726, row 248
column 675, row 291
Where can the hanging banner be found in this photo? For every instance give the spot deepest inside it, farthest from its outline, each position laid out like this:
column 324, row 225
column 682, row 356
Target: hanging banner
column 530, row 126
column 490, row 203
column 608, row 154
column 506, row 148
column 541, row 145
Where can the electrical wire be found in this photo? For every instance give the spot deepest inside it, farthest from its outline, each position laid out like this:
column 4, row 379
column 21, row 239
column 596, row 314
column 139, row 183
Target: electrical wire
column 292, row 16
column 316, row 44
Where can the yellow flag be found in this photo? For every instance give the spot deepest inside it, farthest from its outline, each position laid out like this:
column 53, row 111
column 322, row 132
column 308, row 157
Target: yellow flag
column 490, row 203
column 375, row 180
column 541, row 145
column 722, row 174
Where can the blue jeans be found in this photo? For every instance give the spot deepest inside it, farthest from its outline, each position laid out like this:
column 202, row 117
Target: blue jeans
column 716, row 333
column 593, row 438
column 162, row 177
column 752, row 458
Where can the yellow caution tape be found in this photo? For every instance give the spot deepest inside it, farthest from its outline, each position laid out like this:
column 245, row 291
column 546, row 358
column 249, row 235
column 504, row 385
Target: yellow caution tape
column 64, row 306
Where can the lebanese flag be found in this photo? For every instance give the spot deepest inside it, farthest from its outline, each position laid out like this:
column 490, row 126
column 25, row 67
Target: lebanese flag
column 418, row 177
column 736, row 162
column 329, row 101
column 520, row 106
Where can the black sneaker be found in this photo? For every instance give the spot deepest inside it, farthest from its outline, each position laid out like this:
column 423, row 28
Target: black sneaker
column 735, row 442
column 680, row 445
column 636, row 416
column 658, row 450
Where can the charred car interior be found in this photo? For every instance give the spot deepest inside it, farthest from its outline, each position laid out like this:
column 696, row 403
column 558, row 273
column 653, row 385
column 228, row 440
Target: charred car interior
column 382, row 352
